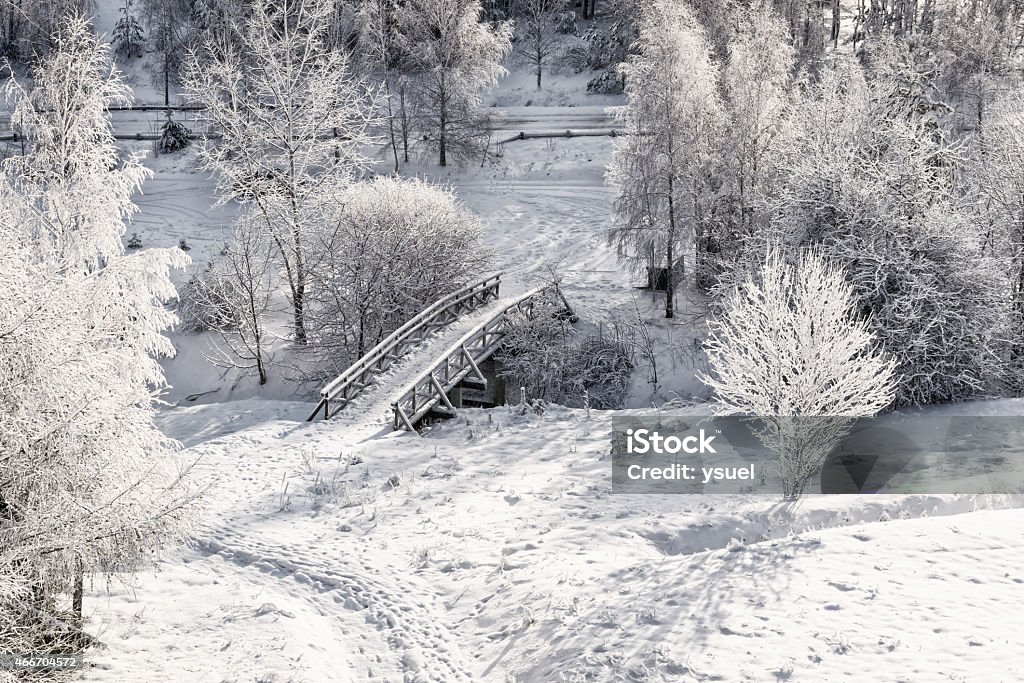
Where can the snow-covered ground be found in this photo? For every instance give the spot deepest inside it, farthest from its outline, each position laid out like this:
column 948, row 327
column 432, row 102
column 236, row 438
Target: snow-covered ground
column 492, row 549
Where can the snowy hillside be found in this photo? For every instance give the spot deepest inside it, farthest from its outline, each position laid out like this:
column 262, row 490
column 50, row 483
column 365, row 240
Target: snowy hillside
column 493, row 550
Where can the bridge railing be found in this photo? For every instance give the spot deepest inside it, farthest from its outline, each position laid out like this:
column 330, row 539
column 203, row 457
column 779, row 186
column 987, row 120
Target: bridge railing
column 458, row 362
column 341, row 390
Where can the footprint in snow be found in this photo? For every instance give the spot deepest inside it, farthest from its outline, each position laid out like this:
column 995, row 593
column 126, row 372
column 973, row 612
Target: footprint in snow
column 844, row 587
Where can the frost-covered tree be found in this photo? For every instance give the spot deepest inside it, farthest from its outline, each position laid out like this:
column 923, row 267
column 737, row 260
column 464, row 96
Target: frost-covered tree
column 232, row 298
column 789, row 348
column 171, row 27
column 174, row 136
column 537, row 43
column 877, row 193
column 28, row 26
column 293, row 121
column 757, row 79
column 394, row 247
column 86, row 482
column 382, row 57
column 454, row 57
column 999, row 186
column 661, row 169
column 128, row 32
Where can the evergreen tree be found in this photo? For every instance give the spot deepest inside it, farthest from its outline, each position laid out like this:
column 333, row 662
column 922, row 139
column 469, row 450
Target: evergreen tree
column 128, row 32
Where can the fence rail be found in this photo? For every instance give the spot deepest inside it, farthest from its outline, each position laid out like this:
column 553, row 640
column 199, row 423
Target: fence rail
column 340, row 391
column 462, row 359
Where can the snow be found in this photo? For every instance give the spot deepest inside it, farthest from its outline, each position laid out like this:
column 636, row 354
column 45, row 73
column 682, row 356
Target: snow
column 492, row 548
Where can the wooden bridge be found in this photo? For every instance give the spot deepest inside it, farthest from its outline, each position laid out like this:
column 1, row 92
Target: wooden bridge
column 459, row 365
column 447, row 373
column 339, row 392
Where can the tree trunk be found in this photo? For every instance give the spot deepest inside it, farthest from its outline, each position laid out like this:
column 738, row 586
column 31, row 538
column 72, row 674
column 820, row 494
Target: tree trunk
column 670, row 283
column 836, row 18
column 443, row 132
column 78, row 594
column 299, row 310
column 405, row 124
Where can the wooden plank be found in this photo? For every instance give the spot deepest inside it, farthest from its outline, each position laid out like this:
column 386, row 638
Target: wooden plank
column 442, row 393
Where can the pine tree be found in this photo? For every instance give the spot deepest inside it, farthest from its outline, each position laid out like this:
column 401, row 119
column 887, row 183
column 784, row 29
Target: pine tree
column 174, row 136
column 127, row 32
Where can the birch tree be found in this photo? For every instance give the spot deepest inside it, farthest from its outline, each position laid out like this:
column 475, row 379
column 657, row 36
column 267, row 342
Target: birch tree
column 661, row 169
column 454, row 58
column 537, row 43
column 383, row 58
column 789, row 348
column 294, row 122
column 757, row 79
column 86, row 481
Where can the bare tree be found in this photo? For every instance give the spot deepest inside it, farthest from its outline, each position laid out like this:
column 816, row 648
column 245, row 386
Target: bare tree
column 233, row 299
column 789, row 349
column 383, row 58
column 454, row 57
column 294, row 125
column 537, row 43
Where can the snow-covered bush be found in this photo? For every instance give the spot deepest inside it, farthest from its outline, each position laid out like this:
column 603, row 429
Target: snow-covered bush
column 608, row 82
column 565, row 23
column 788, row 347
column 86, row 484
column 554, row 362
column 174, row 136
column 203, row 301
column 394, row 247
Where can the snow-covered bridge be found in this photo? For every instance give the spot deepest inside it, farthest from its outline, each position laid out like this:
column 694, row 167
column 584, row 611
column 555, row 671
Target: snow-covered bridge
column 443, row 347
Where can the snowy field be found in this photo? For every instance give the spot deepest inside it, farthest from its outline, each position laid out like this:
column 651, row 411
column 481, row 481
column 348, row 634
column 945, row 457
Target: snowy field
column 492, row 550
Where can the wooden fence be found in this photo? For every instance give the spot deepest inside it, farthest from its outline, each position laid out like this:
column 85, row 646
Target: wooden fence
column 460, row 361
column 339, row 392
